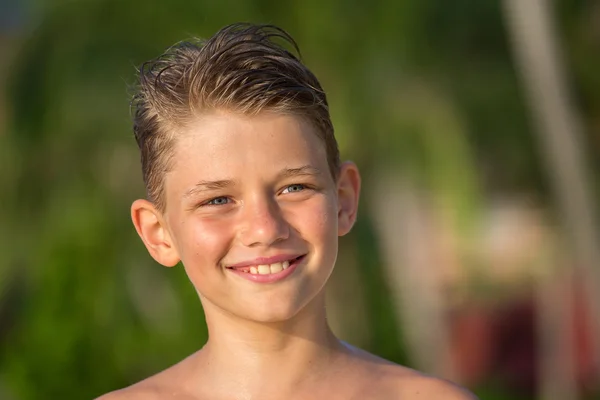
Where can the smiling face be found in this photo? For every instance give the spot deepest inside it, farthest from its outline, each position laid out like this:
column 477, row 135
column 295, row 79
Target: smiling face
column 253, row 213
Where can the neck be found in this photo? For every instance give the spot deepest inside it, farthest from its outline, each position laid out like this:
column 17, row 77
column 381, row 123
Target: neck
column 250, row 357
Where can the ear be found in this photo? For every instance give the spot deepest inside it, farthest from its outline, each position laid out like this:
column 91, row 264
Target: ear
column 348, row 190
column 151, row 227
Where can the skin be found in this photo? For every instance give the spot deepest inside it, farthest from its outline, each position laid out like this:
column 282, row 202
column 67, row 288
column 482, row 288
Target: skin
column 274, row 196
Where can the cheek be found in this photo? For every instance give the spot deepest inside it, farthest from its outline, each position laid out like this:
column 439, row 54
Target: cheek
column 323, row 230
column 205, row 243
column 321, row 220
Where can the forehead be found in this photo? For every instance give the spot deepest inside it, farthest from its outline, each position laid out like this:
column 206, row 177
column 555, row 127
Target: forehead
column 226, row 130
column 228, row 145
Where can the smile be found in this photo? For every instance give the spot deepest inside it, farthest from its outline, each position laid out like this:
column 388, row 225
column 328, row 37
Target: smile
column 267, row 272
column 265, row 269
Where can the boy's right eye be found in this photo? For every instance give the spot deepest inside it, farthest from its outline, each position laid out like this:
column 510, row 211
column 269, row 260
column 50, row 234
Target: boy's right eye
column 217, row 201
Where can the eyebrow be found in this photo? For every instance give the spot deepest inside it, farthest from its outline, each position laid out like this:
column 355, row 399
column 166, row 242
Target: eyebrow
column 304, row 170
column 207, row 185
column 221, row 184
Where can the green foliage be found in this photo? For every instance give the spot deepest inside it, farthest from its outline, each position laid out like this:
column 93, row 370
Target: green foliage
column 425, row 87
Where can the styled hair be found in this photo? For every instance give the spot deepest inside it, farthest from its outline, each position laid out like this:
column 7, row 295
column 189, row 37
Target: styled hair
column 243, row 69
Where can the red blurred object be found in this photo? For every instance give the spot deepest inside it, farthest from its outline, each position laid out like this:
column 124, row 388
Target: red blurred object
column 501, row 341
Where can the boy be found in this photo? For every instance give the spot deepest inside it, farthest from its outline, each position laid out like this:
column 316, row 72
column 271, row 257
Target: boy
column 246, row 189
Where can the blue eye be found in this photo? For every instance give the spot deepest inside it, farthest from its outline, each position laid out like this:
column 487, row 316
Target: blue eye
column 218, row 201
column 294, row 188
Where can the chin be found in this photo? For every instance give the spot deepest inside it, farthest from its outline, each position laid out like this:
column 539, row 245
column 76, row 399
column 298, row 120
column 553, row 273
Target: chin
column 269, row 310
column 273, row 313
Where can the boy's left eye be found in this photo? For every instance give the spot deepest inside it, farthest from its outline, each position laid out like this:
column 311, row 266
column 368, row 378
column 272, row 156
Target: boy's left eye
column 218, row 201
column 296, row 187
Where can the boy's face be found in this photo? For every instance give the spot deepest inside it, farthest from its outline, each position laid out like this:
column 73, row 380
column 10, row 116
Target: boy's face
column 246, row 191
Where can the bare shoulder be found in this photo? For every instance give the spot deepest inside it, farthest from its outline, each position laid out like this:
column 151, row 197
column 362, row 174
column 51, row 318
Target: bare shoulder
column 167, row 384
column 146, row 392
column 411, row 384
column 387, row 380
column 131, row 393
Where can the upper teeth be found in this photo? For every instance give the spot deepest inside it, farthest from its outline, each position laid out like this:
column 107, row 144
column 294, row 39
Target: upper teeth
column 265, row 269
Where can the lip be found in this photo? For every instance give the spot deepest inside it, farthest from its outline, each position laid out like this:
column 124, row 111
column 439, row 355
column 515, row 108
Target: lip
column 265, row 260
column 269, row 278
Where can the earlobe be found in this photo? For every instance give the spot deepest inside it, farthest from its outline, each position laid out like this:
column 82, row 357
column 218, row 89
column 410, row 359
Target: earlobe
column 348, row 194
column 150, row 225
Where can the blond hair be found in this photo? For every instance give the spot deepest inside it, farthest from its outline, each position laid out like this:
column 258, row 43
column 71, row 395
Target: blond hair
column 241, row 69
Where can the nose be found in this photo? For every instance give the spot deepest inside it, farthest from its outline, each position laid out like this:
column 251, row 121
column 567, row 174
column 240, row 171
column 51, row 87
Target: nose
column 263, row 223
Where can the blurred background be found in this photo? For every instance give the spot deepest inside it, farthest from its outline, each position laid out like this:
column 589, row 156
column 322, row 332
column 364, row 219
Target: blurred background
column 476, row 125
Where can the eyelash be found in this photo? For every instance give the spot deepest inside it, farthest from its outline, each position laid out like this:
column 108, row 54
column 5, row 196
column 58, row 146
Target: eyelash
column 211, row 201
